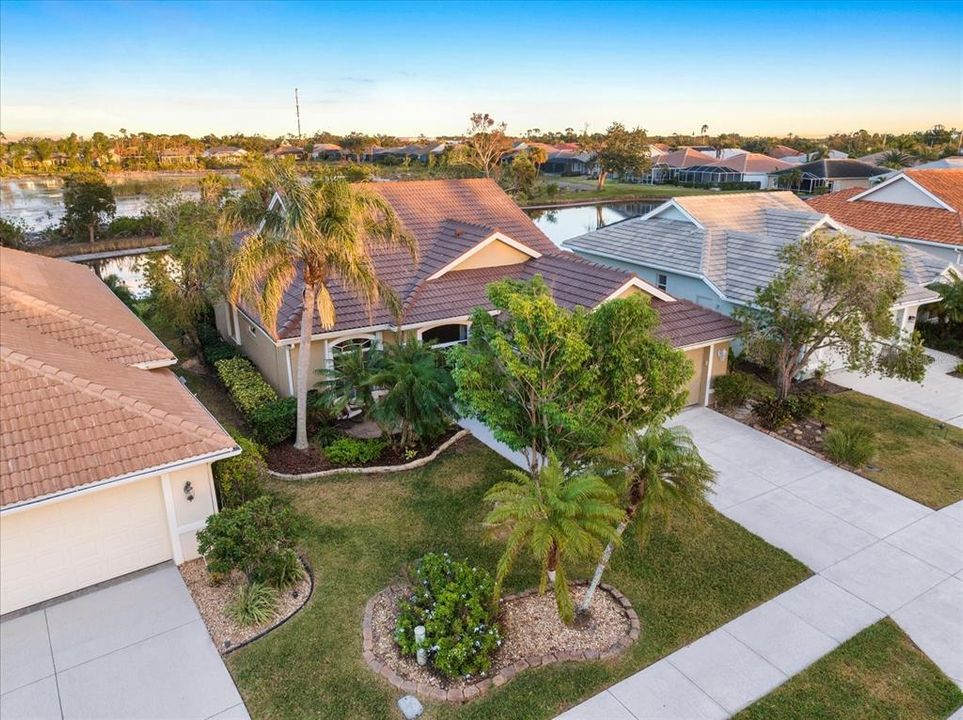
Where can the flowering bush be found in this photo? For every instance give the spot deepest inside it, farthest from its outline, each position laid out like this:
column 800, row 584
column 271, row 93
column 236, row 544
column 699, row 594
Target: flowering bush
column 453, row 600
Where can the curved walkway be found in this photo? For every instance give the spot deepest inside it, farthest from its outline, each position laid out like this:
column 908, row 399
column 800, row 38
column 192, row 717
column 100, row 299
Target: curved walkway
column 875, row 553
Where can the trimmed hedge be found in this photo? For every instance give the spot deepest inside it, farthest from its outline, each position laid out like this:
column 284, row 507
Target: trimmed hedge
column 271, row 417
column 275, row 421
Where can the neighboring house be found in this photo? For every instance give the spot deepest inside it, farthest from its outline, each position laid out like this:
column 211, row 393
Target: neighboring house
column 177, row 155
column 665, row 167
column 947, row 162
column 784, row 152
column 469, row 234
column 833, row 175
column 419, row 153
column 106, row 455
column 739, row 167
column 224, row 152
column 877, row 157
column 327, row 151
column 919, row 208
column 717, row 250
column 569, row 161
column 286, row 151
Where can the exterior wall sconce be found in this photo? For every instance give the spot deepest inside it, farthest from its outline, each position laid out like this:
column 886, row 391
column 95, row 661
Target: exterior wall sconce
column 189, row 491
column 721, row 353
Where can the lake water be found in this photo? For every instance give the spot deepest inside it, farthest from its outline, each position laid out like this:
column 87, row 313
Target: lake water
column 128, row 269
column 560, row 224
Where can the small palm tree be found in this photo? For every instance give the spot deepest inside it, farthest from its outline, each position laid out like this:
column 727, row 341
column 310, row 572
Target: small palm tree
column 661, row 472
column 895, row 159
column 347, row 383
column 321, row 233
column 558, row 518
column 418, row 392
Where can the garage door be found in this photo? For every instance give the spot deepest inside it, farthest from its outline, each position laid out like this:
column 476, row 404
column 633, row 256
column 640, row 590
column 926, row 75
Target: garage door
column 697, row 383
column 59, row 547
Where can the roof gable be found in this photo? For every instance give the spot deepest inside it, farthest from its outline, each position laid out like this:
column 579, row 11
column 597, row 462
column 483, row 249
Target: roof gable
column 902, row 189
column 494, row 251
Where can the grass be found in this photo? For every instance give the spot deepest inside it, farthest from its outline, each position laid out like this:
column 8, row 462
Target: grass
column 879, row 673
column 587, row 191
column 914, row 456
column 98, row 246
column 365, row 532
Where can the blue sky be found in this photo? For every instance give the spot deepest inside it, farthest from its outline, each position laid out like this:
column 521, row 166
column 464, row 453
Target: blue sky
column 753, row 67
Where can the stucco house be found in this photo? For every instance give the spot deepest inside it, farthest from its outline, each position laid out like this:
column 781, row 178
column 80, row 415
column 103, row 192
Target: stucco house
column 469, row 234
column 834, row 174
column 716, row 250
column 916, row 208
column 106, row 455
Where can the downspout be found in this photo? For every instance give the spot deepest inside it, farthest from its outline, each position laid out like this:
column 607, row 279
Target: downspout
column 287, row 352
column 705, row 399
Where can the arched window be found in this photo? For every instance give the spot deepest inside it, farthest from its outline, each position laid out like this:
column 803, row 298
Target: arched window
column 348, row 345
column 446, row 335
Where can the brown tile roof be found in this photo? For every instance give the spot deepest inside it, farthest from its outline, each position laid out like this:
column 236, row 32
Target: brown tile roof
column 684, row 323
column 74, row 410
column 781, row 151
column 896, row 220
column 752, row 163
column 686, row 157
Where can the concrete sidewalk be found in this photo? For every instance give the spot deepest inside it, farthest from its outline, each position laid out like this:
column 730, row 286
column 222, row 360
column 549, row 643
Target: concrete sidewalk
column 876, row 553
column 939, row 396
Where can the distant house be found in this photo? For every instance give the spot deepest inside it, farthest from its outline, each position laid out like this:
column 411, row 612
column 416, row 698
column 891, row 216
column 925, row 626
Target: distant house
column 740, row 167
column 716, row 250
column 665, row 167
column 955, row 161
column 327, row 151
column 286, row 151
column 106, row 454
column 469, row 234
column 569, row 162
column 178, row 155
column 225, row 153
column 833, row 175
column 784, row 152
column 922, row 208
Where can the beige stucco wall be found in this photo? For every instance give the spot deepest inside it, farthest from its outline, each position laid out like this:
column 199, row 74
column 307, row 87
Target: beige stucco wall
column 190, row 515
column 495, row 254
column 696, row 387
column 262, row 351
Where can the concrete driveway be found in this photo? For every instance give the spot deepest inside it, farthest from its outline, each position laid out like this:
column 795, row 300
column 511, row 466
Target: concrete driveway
column 134, row 649
column 939, row 396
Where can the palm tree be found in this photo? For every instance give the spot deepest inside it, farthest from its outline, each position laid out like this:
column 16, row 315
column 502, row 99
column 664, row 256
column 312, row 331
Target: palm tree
column 558, row 518
column 895, row 159
column 705, row 134
column 347, row 383
column 418, row 392
column 319, row 233
column 661, row 471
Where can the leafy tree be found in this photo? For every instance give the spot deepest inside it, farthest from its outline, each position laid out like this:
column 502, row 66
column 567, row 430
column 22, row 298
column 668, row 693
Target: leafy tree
column 831, row 294
column 546, row 378
column 88, row 201
column 321, row 232
column 486, row 144
column 13, row 233
column 659, row 472
column 418, row 392
column 558, row 517
column 356, row 143
column 123, row 292
column 950, row 307
column 519, row 179
column 620, row 151
column 214, row 188
column 538, row 156
column 347, row 382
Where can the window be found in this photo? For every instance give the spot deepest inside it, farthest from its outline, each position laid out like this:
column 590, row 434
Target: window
column 445, row 335
column 662, row 281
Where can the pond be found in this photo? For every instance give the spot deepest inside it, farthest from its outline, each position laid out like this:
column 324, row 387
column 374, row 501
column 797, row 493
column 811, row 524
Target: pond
column 128, row 269
column 560, row 224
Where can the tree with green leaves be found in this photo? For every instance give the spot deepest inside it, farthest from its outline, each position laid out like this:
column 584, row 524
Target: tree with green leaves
column 486, row 144
column 316, row 234
column 837, row 295
column 895, row 159
column 558, row 517
column 214, row 188
column 519, row 179
column 544, row 378
column 417, row 404
column 659, row 472
column 88, row 201
column 620, row 151
column 346, row 383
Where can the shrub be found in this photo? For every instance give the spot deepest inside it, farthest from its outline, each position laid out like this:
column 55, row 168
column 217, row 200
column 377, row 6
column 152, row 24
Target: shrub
column 805, row 405
column 851, row 445
column 254, row 604
column 351, row 451
column 238, row 479
column 771, row 413
column 13, row 233
column 286, row 569
column 126, row 226
column 454, row 602
column 251, row 538
column 959, row 368
column 247, row 387
column 732, row 390
column 274, row 422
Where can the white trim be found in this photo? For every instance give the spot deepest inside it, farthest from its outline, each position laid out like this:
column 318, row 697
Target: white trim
column 287, row 352
column 696, row 346
column 335, row 334
column 921, row 241
column 642, row 285
column 237, row 324
column 210, row 484
column 494, row 237
column 708, row 378
column 123, row 480
column 154, row 364
column 665, row 206
column 176, row 550
column 329, row 347
column 421, row 331
column 911, row 181
column 191, row 527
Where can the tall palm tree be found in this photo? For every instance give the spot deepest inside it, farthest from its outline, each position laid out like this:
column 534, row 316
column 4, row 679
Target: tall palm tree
column 895, row 159
column 320, row 233
column 661, row 472
column 705, row 134
column 558, row 518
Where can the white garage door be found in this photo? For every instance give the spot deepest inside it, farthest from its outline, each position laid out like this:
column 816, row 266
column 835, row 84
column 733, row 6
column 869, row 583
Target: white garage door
column 59, row 547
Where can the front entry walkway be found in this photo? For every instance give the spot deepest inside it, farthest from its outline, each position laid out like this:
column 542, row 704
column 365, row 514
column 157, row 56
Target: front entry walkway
column 939, row 396
column 134, row 649
column 875, row 553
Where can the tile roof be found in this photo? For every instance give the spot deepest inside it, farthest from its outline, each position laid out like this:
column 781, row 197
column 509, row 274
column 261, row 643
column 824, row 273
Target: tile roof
column 684, row 323
column 683, row 158
column 448, row 218
column 833, row 169
column 75, row 408
column 781, row 151
column 736, row 249
column 747, row 162
column 905, row 221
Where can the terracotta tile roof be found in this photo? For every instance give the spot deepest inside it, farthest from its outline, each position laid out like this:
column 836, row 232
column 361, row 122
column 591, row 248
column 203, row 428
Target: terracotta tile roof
column 946, row 184
column 892, row 219
column 781, row 151
column 752, row 163
column 686, row 157
column 74, row 410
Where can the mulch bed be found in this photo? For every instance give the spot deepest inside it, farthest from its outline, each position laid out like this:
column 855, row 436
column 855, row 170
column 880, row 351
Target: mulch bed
column 212, row 602
column 532, row 635
column 286, row 459
column 809, row 433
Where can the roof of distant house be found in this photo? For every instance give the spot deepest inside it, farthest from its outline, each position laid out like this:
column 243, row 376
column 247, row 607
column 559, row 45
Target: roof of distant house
column 286, row 150
column 858, row 208
column 733, row 241
column 683, row 158
column 225, row 150
column 449, row 219
column 947, row 162
column 329, row 147
column 839, row 169
column 752, row 163
column 84, row 386
column 781, row 151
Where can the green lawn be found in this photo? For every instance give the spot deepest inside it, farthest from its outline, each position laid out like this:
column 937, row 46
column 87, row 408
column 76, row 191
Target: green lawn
column 879, row 673
column 587, row 191
column 365, row 532
column 914, row 456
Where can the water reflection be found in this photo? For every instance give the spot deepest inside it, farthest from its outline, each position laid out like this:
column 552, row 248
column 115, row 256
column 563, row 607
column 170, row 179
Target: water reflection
column 563, row 223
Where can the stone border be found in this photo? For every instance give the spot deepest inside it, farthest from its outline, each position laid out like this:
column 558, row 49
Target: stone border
column 420, row 462
column 479, row 688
